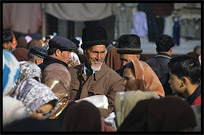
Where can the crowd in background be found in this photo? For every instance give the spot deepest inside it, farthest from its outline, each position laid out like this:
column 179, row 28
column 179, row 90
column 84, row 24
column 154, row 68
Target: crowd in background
column 51, row 86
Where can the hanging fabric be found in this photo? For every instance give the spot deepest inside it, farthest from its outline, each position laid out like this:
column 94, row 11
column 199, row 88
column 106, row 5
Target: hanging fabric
column 191, row 28
column 139, row 24
column 176, row 30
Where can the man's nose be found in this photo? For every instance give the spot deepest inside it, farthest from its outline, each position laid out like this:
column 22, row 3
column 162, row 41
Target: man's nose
column 98, row 56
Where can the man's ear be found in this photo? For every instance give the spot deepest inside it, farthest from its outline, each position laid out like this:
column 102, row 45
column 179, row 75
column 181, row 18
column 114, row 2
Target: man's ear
column 57, row 52
column 184, row 81
column 38, row 60
column 171, row 49
column 137, row 56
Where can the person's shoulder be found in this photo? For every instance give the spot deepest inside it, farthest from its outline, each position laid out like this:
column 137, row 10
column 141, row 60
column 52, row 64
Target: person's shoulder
column 151, row 59
column 112, row 73
column 76, row 68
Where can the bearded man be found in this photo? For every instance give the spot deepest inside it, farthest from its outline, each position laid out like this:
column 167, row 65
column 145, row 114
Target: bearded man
column 94, row 77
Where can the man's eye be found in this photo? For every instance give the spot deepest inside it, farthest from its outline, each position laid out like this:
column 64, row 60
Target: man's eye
column 38, row 111
column 95, row 52
column 98, row 52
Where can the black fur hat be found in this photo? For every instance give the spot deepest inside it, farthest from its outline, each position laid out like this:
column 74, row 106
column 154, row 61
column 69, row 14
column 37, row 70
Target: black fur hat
column 129, row 44
column 95, row 35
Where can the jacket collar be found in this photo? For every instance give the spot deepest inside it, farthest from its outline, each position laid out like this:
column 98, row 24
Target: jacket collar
column 164, row 55
column 96, row 75
column 195, row 95
column 54, row 60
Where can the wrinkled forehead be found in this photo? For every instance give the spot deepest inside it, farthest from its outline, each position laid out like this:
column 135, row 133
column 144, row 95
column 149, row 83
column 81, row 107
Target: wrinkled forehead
column 97, row 48
column 128, row 56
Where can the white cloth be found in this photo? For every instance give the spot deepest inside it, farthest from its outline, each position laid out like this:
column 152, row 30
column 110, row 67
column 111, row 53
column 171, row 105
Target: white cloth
column 75, row 57
column 139, row 24
column 79, row 11
column 12, row 110
column 111, row 120
column 10, row 71
column 168, row 25
column 126, row 101
column 100, row 101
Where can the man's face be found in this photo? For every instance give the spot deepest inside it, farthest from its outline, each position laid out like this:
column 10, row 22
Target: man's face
column 7, row 46
column 95, row 56
column 126, row 58
column 64, row 56
column 176, row 84
column 40, row 112
column 38, row 60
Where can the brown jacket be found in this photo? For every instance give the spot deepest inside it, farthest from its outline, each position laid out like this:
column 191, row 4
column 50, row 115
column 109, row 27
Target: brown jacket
column 104, row 82
column 57, row 77
column 112, row 59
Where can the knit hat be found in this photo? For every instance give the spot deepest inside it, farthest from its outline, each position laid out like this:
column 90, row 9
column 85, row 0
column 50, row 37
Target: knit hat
column 94, row 36
column 129, row 44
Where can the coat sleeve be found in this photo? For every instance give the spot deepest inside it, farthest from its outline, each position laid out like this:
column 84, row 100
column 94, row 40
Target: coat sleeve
column 116, row 85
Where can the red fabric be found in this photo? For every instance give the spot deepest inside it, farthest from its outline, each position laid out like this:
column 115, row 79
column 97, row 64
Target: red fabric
column 197, row 101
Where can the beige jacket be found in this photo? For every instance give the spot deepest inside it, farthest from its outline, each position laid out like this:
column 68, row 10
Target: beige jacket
column 104, row 82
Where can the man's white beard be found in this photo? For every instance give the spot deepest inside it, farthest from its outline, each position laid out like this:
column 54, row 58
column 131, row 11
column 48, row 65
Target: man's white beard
column 96, row 68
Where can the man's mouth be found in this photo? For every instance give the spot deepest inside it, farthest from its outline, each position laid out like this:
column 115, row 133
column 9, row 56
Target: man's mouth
column 97, row 61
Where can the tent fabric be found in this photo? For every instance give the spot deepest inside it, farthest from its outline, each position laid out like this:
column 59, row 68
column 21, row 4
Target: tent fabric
column 22, row 17
column 79, row 11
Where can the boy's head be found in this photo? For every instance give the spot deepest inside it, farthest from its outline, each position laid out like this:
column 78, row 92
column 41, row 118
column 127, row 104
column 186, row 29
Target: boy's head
column 184, row 71
column 7, row 40
column 164, row 43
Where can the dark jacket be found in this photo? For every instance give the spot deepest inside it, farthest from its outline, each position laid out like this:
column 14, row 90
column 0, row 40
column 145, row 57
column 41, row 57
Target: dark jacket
column 49, row 60
column 195, row 98
column 159, row 64
column 104, row 82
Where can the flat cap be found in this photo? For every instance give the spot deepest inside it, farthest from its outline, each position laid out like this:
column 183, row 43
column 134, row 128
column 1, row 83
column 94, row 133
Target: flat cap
column 61, row 43
column 38, row 51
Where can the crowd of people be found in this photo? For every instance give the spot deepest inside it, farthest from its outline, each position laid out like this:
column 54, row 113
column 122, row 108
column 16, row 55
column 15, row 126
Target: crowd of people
column 50, row 86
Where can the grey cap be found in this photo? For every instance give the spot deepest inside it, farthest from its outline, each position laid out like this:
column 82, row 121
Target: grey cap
column 38, row 51
column 62, row 43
